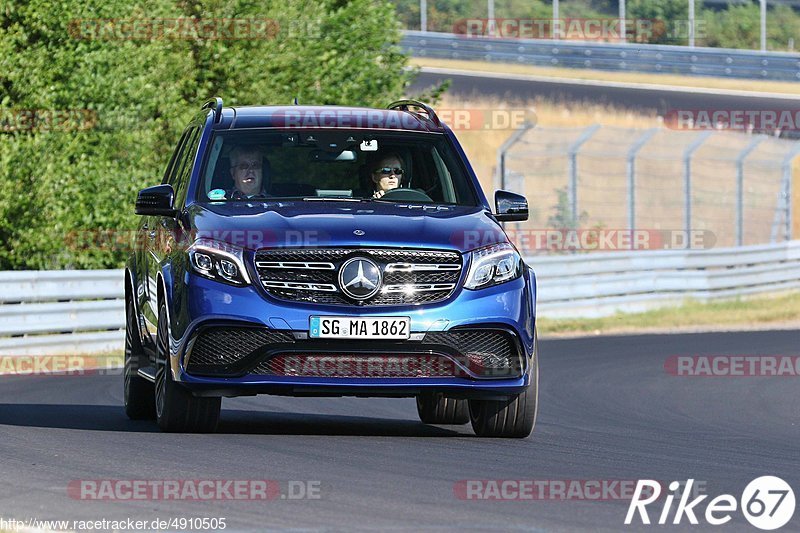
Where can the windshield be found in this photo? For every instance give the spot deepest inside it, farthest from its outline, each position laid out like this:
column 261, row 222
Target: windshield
column 337, row 165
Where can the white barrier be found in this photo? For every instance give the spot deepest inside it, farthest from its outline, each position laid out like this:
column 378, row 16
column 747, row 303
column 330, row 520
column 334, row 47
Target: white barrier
column 75, row 312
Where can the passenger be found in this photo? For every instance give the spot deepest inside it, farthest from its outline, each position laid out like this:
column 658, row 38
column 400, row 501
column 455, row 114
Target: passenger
column 386, row 172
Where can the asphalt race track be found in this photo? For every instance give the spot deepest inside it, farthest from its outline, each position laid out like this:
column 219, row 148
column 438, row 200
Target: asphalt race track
column 608, row 411
column 644, row 99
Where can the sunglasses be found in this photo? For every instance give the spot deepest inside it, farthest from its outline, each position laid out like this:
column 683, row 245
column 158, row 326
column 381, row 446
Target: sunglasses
column 388, row 171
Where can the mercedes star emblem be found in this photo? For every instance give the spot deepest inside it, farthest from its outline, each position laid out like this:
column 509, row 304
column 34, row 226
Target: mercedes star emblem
column 360, row 278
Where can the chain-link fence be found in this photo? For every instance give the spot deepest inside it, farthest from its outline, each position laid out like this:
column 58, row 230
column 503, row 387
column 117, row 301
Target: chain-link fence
column 732, row 186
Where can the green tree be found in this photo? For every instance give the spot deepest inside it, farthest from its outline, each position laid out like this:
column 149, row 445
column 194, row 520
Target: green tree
column 55, row 183
column 669, row 18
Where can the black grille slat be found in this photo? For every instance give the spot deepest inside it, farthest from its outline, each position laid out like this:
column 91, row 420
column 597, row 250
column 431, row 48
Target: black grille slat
column 447, row 276
column 382, row 256
column 318, row 276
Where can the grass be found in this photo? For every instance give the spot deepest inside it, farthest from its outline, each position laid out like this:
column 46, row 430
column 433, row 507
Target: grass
column 787, row 87
column 761, row 311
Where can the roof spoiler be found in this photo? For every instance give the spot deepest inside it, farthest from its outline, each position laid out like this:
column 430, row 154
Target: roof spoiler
column 215, row 104
column 405, row 105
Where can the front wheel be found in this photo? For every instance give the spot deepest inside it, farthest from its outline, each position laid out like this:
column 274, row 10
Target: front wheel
column 510, row 418
column 177, row 409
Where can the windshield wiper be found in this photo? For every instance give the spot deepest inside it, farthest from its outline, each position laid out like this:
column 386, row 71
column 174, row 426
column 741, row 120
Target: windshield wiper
column 334, row 199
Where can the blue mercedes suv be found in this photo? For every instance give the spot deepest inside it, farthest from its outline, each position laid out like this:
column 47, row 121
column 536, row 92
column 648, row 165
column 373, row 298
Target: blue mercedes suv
column 328, row 251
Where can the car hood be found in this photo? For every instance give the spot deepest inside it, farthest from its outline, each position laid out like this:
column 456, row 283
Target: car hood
column 358, row 224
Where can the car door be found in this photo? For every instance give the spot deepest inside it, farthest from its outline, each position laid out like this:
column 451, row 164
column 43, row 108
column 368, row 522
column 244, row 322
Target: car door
column 166, row 228
column 147, row 266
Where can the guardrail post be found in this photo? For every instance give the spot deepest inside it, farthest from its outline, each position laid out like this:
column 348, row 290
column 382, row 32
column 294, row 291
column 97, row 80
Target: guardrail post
column 573, row 168
column 500, row 176
column 631, row 171
column 687, row 181
column 740, row 187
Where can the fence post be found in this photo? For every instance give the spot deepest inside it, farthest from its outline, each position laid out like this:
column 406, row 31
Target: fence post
column 740, row 186
column 631, row 171
column 687, row 181
column 500, row 176
column 787, row 190
column 573, row 168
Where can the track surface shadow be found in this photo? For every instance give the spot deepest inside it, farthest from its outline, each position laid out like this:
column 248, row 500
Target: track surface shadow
column 232, row 421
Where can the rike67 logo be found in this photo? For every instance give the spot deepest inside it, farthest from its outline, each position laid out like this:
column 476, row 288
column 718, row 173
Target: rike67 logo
column 767, row 503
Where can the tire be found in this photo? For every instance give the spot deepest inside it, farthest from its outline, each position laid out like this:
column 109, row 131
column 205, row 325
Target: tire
column 177, row 409
column 511, row 418
column 138, row 392
column 434, row 408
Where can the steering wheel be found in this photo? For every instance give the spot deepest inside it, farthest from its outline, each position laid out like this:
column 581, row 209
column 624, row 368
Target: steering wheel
column 410, row 195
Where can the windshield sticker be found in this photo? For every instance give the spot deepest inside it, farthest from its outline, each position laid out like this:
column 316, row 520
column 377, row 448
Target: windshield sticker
column 216, row 194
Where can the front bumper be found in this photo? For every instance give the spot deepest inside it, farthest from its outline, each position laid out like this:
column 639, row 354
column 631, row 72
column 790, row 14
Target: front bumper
column 280, row 329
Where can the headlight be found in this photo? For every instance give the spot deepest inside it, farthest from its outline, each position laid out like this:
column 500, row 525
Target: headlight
column 219, row 261
column 493, row 265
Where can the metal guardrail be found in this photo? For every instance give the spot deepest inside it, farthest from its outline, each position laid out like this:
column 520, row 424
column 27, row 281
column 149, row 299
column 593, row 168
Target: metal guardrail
column 630, row 57
column 90, row 313
column 61, row 312
column 601, row 284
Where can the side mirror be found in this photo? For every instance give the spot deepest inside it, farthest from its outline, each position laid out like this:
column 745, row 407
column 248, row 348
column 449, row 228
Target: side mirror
column 158, row 200
column 510, row 207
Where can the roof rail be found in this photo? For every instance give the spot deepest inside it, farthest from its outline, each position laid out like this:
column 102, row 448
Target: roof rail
column 214, row 103
column 404, row 105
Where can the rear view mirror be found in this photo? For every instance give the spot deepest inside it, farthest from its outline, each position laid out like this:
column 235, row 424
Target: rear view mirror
column 156, row 201
column 322, row 156
column 510, row 207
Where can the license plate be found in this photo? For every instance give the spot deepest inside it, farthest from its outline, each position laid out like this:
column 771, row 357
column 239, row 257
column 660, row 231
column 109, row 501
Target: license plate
column 345, row 327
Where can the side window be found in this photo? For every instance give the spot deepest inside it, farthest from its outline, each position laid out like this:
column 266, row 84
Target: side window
column 174, row 160
column 183, row 171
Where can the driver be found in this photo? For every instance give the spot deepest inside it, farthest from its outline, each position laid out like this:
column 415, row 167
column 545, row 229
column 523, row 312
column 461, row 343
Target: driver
column 386, row 172
column 248, row 173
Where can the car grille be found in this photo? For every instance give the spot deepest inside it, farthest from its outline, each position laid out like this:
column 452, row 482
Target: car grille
column 311, row 274
column 485, row 352
column 221, row 350
column 228, row 351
